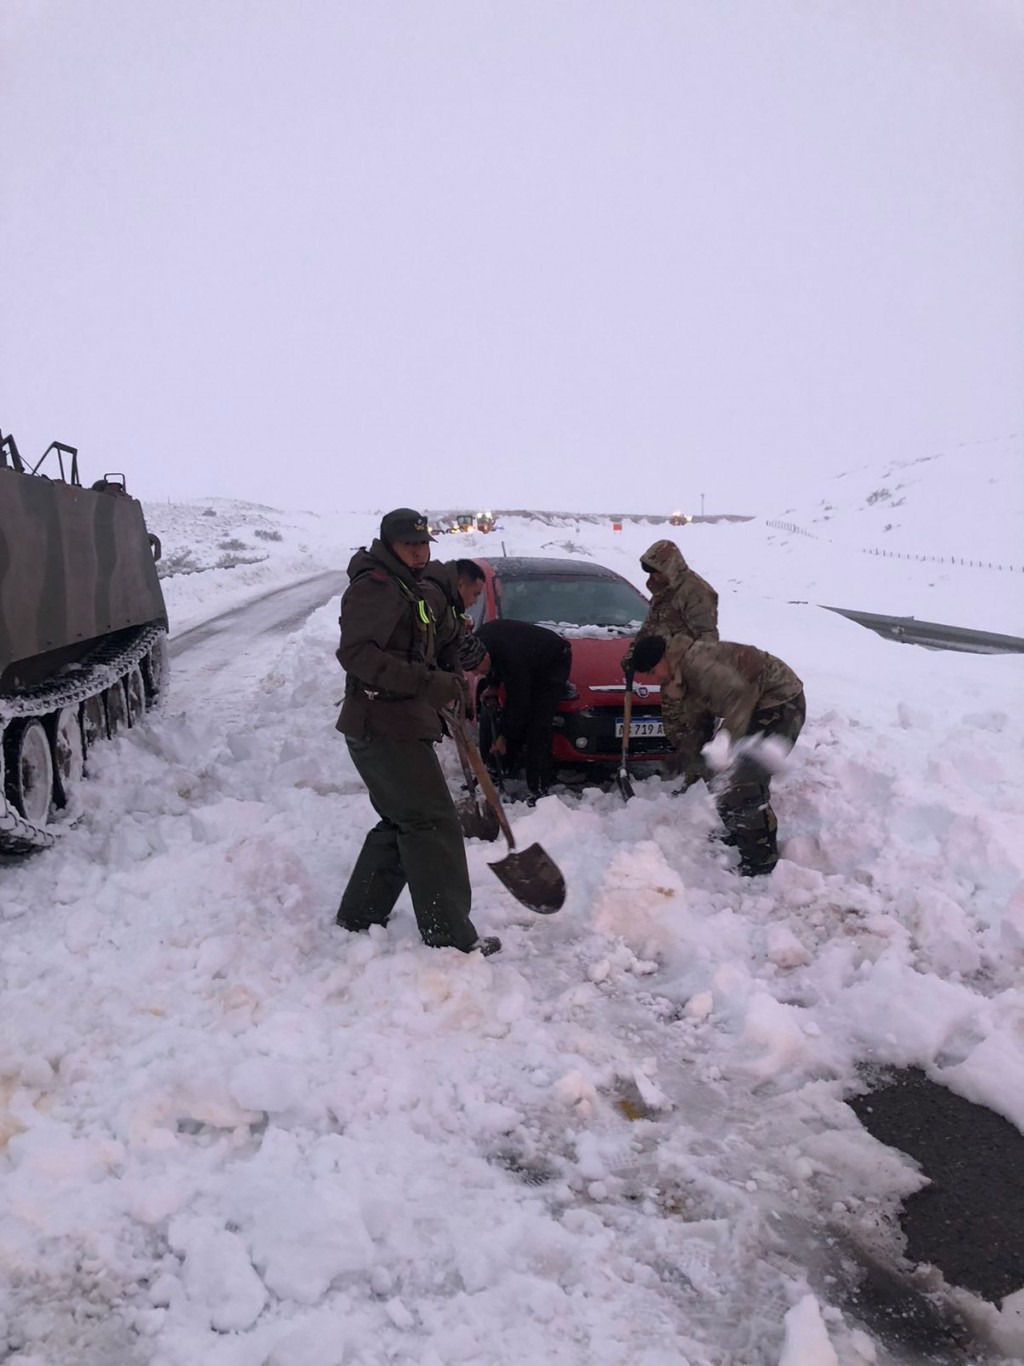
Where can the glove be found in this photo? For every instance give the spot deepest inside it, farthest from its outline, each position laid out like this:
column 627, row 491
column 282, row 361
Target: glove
column 756, row 757
column 690, row 767
column 443, row 689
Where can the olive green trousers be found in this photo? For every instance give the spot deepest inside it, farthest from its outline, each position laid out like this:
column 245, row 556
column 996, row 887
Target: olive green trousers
column 417, row 841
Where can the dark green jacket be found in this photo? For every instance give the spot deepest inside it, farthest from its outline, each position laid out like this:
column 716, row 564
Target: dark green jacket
column 441, row 589
column 388, row 651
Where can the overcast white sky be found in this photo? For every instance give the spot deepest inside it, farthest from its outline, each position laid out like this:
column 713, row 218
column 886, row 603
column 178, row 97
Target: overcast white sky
column 593, row 256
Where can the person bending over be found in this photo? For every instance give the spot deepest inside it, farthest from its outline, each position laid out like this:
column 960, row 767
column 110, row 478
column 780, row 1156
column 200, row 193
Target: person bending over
column 533, row 665
column 757, row 696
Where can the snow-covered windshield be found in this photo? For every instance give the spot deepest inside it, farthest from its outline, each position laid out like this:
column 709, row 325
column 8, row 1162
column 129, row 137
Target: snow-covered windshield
column 588, row 600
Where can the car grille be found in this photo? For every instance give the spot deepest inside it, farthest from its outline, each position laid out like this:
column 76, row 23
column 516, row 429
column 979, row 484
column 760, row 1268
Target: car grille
column 597, row 726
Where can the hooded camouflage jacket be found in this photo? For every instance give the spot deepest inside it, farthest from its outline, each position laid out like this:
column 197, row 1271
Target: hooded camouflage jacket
column 729, row 680
column 686, row 606
column 389, row 651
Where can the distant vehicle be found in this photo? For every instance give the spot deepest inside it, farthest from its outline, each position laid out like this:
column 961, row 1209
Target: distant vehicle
column 465, row 521
column 599, row 612
column 83, row 631
column 679, row 519
column 484, row 521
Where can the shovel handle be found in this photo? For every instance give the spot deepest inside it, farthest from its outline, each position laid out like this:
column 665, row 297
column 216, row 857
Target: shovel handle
column 627, row 715
column 467, row 767
column 468, row 751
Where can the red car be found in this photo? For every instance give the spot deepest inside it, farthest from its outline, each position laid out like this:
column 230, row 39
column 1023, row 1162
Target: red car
column 599, row 612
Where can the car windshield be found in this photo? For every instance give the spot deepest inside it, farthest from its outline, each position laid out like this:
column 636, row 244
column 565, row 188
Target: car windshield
column 567, row 601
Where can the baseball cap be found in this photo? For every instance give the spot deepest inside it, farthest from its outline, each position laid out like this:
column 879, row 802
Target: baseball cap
column 404, row 524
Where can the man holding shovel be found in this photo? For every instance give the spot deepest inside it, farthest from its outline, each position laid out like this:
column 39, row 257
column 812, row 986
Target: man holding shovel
column 395, row 691
column 757, row 696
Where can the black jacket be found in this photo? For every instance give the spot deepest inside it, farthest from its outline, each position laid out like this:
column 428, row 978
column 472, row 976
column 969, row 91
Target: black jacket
column 522, row 655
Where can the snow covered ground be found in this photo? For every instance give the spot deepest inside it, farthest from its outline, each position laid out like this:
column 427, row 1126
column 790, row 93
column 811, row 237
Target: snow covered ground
column 234, row 1135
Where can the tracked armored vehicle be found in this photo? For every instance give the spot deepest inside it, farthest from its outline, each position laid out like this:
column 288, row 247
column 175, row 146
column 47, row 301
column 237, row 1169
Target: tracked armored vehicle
column 83, row 631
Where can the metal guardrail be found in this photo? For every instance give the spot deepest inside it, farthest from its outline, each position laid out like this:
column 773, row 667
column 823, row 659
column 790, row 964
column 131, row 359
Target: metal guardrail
column 933, row 634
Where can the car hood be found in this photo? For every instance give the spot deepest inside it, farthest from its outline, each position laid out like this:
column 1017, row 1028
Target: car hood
column 597, row 661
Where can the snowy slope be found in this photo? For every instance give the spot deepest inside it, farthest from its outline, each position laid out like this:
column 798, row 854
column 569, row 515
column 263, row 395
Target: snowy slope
column 234, row 1135
column 937, row 537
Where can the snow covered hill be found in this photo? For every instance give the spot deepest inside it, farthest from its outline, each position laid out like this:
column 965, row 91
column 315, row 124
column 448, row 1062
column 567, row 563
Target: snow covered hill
column 232, row 1134
column 934, row 537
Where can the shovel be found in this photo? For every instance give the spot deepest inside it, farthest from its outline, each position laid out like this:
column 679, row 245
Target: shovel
column 477, row 822
column 532, row 875
column 622, row 777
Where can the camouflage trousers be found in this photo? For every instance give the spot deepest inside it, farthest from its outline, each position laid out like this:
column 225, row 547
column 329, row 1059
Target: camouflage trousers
column 689, row 730
column 744, row 799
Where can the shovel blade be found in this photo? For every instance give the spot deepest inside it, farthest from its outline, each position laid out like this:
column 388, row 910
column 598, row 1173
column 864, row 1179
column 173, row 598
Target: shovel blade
column 625, row 786
column 477, row 822
column 533, row 878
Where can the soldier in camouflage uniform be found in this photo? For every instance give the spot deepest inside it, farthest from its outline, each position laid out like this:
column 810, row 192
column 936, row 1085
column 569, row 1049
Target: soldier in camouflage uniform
column 756, row 695
column 684, row 607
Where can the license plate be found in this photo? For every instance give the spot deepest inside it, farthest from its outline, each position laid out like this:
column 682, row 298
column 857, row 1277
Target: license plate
column 640, row 727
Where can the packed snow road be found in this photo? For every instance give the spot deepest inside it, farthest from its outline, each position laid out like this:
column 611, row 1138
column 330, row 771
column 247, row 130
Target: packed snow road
column 234, row 1134
column 229, row 645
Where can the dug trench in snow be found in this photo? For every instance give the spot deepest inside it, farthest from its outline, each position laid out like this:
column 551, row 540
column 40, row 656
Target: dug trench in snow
column 969, row 1220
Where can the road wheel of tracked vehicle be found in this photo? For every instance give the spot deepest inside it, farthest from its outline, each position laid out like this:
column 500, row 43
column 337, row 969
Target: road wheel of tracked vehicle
column 154, row 670
column 68, row 753
column 94, row 722
column 135, row 694
column 29, row 769
column 116, row 703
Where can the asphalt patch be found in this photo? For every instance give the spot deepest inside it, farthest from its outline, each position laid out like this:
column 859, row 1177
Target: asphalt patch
column 969, row 1221
column 903, row 1315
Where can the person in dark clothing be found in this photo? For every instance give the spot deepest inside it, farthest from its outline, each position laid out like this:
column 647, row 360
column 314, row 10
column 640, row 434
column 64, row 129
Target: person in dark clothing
column 533, row 665
column 452, row 590
column 757, row 696
column 396, row 686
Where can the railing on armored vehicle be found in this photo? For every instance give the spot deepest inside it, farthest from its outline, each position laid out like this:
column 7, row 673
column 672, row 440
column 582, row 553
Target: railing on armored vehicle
column 10, row 458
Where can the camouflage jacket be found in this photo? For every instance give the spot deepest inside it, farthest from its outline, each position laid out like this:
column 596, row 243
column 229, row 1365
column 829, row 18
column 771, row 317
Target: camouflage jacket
column 389, row 650
column 729, row 680
column 685, row 608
